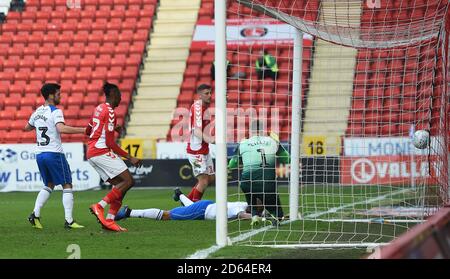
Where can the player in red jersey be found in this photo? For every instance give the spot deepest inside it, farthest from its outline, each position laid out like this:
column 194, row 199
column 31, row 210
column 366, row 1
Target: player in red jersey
column 198, row 146
column 105, row 156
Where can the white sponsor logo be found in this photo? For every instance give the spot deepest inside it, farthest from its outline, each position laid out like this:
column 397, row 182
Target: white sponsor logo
column 388, row 146
column 363, row 170
column 141, row 171
column 110, row 127
column 372, row 4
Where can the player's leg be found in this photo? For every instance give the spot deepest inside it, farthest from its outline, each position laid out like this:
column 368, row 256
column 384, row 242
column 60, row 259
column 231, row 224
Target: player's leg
column 273, row 75
column 179, row 196
column 185, row 200
column 115, row 204
column 203, row 169
column 123, row 182
column 272, row 200
column 61, row 175
column 45, row 192
column 195, row 211
column 196, row 193
column 250, row 195
column 112, row 169
column 150, row 213
column 259, row 74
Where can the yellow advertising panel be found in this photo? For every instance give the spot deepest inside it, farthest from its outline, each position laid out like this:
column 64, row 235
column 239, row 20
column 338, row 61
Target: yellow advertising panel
column 135, row 147
column 315, row 145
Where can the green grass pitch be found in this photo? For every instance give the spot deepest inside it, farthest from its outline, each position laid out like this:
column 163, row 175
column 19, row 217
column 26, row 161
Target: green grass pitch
column 146, row 238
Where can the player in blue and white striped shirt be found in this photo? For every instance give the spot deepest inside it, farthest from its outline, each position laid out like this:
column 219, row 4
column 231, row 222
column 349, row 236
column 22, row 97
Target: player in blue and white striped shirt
column 48, row 122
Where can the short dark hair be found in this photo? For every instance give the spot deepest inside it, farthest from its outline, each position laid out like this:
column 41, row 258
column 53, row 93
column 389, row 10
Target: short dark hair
column 49, row 88
column 108, row 87
column 202, row 87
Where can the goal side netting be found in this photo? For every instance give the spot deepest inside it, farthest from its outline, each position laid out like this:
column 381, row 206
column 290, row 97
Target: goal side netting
column 368, row 75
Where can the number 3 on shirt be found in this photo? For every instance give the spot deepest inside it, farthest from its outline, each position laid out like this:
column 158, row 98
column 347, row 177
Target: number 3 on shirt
column 96, row 124
column 44, row 136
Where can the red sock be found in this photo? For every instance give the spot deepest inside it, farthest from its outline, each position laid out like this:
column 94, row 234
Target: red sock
column 197, row 195
column 114, row 194
column 114, row 207
column 191, row 194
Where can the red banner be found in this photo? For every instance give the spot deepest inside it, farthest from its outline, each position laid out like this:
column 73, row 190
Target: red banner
column 390, row 170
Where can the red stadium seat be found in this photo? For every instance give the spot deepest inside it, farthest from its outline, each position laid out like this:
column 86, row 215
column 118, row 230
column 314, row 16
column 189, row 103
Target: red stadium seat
column 7, row 115
column 137, row 48
column 114, row 73
column 129, row 25
column 12, row 136
column 4, row 124
column 119, row 14
column 91, row 99
column 134, row 60
column 23, row 114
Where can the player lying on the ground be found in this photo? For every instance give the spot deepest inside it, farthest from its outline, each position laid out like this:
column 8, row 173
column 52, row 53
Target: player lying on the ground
column 199, row 210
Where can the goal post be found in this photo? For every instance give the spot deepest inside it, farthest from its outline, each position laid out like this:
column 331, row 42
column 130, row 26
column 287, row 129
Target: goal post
column 352, row 79
column 220, row 122
column 296, row 125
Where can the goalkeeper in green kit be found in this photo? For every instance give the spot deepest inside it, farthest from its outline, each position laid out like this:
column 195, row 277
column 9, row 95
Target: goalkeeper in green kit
column 259, row 155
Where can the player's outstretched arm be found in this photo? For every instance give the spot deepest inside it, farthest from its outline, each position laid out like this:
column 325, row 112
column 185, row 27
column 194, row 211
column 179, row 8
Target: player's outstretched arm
column 64, row 129
column 283, row 156
column 119, row 151
column 244, row 215
column 28, row 128
column 207, row 138
column 234, row 161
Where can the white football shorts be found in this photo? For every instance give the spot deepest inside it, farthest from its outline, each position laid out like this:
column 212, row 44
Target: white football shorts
column 108, row 165
column 201, row 164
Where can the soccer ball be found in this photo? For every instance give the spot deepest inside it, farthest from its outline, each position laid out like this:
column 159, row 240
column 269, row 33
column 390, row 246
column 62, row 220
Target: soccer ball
column 421, row 139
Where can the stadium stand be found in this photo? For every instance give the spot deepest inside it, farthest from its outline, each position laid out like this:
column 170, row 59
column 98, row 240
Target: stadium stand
column 78, row 47
column 249, row 91
column 4, row 9
column 379, row 109
column 164, row 65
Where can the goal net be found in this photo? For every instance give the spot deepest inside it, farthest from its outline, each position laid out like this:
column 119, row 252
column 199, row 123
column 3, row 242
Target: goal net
column 369, row 74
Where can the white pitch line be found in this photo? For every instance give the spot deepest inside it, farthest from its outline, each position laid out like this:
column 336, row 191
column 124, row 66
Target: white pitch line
column 203, row 254
column 335, row 209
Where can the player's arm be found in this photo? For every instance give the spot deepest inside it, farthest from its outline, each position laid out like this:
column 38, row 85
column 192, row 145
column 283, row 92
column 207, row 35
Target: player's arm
column 198, row 132
column 28, row 127
column 89, row 128
column 282, row 155
column 62, row 128
column 244, row 215
column 110, row 143
column 30, row 124
column 198, row 126
column 65, row 129
column 234, row 161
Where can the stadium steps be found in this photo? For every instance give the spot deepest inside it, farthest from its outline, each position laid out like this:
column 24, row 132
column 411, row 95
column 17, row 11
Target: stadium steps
column 164, row 67
column 331, row 84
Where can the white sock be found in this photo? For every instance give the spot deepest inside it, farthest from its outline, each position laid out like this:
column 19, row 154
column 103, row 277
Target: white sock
column 152, row 213
column 185, row 200
column 41, row 199
column 102, row 203
column 110, row 216
column 67, row 198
